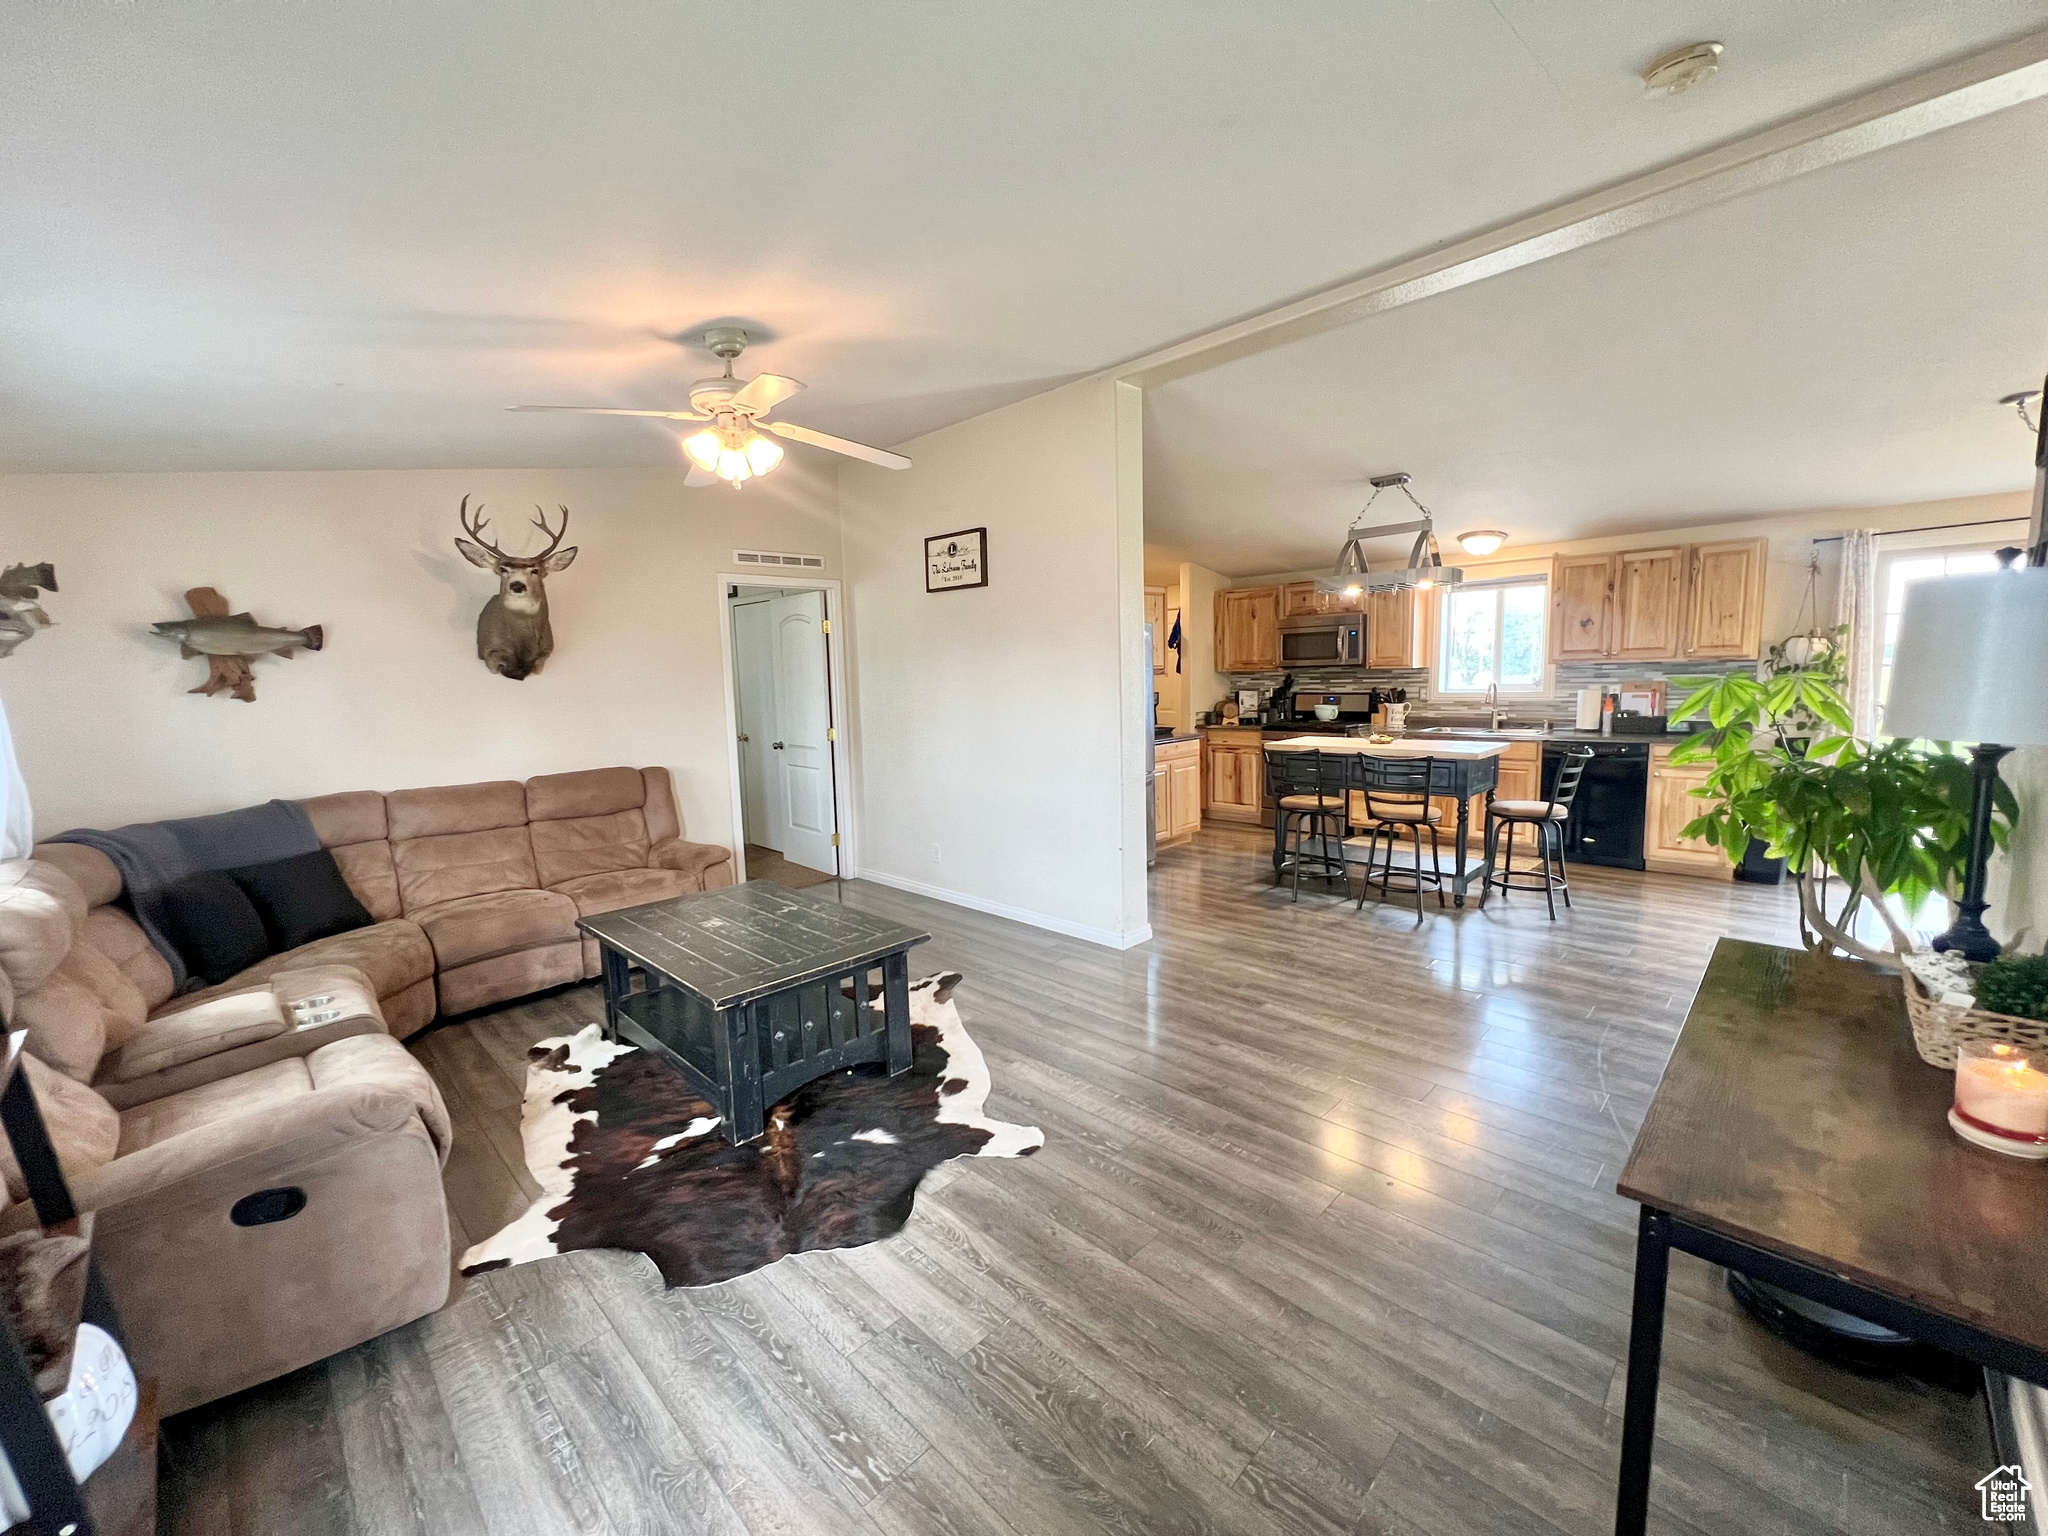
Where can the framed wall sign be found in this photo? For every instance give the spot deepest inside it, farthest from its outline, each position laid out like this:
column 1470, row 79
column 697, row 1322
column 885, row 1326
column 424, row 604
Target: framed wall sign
column 954, row 562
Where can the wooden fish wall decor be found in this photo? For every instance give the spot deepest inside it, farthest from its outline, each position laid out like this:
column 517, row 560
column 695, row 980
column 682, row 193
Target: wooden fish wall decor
column 21, row 615
column 230, row 641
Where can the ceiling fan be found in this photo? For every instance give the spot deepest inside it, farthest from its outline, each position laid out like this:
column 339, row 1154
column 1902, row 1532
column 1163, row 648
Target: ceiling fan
column 730, row 449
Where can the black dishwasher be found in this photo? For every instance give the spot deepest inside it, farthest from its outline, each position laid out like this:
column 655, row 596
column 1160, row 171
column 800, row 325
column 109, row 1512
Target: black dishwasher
column 1606, row 822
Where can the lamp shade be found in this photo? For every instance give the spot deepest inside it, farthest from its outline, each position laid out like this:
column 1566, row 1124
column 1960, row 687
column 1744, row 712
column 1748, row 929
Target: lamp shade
column 1968, row 662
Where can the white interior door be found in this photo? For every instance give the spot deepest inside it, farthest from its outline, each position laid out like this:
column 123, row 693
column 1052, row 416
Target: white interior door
column 753, row 665
column 801, row 749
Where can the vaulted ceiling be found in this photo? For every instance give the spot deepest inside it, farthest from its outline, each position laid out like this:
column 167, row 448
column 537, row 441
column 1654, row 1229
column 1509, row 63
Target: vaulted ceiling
column 347, row 235
column 1839, row 340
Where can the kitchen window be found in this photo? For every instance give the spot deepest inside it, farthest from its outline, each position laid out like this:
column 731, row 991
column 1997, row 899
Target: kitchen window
column 1492, row 634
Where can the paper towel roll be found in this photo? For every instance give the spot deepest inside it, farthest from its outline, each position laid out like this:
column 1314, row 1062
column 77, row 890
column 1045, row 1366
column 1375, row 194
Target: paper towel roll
column 1589, row 709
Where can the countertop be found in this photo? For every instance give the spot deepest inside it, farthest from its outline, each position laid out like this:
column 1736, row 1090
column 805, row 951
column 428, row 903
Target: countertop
column 1411, row 746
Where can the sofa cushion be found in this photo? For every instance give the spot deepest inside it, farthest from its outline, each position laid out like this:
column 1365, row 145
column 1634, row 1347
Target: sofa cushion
column 82, row 1007
column 115, row 934
column 432, row 870
column 368, row 869
column 214, row 925
column 394, row 955
column 354, row 816
column 301, row 899
column 588, row 845
column 412, row 813
column 217, row 1025
column 479, row 927
column 624, row 888
column 83, row 1128
column 93, row 871
column 160, row 1119
column 592, row 792
column 41, row 911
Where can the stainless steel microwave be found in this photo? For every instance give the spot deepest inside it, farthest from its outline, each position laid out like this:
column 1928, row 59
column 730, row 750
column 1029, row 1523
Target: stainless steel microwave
column 1323, row 640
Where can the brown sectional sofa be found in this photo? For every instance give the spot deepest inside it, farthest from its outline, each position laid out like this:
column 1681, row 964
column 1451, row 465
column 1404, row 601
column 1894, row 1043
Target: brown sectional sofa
column 168, row 1111
column 475, row 888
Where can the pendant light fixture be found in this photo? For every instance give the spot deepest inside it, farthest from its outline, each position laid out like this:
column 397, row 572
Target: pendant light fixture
column 1425, row 568
column 1810, row 646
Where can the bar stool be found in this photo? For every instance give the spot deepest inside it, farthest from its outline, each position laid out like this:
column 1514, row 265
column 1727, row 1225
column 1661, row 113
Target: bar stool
column 1547, row 818
column 1307, row 790
column 1396, row 794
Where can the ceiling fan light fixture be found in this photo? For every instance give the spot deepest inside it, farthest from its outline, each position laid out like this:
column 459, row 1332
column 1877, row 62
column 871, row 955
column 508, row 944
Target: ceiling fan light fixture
column 703, row 448
column 1481, row 541
column 763, row 453
column 733, row 466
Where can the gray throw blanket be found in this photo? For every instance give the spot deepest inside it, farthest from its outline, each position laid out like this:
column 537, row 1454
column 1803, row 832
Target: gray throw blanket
column 153, row 856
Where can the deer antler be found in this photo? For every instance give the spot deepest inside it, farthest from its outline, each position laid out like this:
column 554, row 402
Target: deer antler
column 475, row 529
column 554, row 535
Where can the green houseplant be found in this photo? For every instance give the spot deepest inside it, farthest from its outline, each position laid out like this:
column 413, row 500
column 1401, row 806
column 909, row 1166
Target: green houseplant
column 1883, row 817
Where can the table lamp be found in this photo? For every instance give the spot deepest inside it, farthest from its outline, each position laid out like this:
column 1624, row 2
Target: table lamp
column 1967, row 668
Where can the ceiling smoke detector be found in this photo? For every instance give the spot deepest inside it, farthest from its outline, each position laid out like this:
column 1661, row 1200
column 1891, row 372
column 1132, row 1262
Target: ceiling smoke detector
column 1682, row 68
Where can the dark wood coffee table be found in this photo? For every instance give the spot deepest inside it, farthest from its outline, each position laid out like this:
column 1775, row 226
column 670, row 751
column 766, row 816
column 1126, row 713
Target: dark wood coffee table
column 752, row 991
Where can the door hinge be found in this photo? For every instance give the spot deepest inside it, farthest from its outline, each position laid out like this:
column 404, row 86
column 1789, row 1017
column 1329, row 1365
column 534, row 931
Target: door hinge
column 824, row 626
column 835, row 839
column 831, row 733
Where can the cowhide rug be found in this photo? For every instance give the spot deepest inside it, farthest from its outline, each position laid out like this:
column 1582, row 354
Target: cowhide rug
column 627, row 1155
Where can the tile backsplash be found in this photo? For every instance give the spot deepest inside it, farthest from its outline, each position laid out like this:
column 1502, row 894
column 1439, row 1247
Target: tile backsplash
column 1562, row 706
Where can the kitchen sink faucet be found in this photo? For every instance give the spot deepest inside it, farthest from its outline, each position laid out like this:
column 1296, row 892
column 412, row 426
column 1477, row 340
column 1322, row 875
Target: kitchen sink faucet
column 1494, row 713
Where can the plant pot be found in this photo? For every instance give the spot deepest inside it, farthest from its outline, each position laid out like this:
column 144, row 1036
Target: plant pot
column 1757, row 867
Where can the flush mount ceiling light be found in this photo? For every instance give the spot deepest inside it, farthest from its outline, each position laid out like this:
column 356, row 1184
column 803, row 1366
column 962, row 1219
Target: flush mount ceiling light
column 1481, row 541
column 1425, row 568
column 1682, row 68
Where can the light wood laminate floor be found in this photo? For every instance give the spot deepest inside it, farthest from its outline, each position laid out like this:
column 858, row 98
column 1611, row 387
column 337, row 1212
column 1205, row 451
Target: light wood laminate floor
column 1323, row 1239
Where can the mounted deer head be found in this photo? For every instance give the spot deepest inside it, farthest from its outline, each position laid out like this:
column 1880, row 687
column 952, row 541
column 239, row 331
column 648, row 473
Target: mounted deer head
column 513, row 637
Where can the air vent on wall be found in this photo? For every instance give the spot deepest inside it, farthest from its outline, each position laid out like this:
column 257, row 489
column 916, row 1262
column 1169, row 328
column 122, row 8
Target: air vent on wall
column 762, row 557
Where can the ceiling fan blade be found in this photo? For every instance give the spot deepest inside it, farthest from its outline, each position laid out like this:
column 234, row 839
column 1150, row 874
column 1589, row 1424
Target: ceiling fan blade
column 612, row 410
column 764, row 392
column 698, row 476
column 847, row 446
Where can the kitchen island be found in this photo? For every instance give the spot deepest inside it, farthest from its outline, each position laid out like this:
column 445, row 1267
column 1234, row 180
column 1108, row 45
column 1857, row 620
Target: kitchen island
column 1460, row 769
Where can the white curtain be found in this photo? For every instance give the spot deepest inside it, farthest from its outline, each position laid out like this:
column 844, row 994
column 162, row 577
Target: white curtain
column 17, row 826
column 1856, row 606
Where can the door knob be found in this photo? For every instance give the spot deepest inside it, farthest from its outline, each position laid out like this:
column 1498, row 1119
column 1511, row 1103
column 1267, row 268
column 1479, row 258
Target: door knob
column 777, row 746
column 745, row 737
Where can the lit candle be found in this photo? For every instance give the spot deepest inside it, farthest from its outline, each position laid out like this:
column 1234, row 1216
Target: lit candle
column 2001, row 1098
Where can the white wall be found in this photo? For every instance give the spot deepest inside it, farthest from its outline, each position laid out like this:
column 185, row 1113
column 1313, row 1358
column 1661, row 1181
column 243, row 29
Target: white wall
column 107, row 732
column 1000, row 736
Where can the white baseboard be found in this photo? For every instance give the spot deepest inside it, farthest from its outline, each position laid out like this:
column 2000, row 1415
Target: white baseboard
column 1106, row 937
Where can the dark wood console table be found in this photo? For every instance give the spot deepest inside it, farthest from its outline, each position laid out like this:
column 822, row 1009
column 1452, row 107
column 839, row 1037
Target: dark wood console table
column 752, row 991
column 1797, row 1138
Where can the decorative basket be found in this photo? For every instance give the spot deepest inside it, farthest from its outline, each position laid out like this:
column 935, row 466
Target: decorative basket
column 1940, row 1027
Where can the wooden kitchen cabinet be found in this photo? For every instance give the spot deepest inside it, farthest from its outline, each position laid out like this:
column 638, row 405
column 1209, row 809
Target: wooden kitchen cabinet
column 1301, row 600
column 1177, row 790
column 1155, row 615
column 1581, row 607
column 1233, row 775
column 1670, row 805
column 1521, row 772
column 1649, row 603
column 1725, row 611
column 1700, row 601
column 1248, row 629
column 1393, row 630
